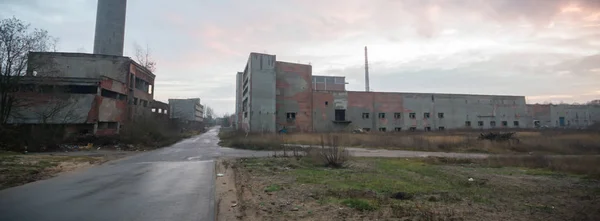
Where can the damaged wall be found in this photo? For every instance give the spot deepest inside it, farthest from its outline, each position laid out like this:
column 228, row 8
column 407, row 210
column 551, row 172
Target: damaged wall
column 293, row 95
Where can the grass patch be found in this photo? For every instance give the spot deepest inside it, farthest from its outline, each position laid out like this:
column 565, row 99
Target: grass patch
column 272, row 188
column 359, row 204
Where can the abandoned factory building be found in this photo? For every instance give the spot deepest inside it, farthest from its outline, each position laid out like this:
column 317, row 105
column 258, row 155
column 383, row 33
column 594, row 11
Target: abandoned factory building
column 272, row 95
column 90, row 93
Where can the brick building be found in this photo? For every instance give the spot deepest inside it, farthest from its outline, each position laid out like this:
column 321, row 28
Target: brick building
column 271, row 95
column 89, row 93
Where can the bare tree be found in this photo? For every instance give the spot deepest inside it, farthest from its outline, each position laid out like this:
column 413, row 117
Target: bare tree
column 16, row 41
column 144, row 57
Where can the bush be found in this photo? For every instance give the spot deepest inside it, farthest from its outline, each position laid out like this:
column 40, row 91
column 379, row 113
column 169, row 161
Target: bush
column 330, row 154
column 359, row 204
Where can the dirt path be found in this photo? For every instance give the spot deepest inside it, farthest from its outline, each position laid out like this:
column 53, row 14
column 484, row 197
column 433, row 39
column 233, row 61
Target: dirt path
column 364, row 152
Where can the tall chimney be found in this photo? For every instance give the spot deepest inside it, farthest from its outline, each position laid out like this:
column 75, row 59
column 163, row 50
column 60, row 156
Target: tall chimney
column 366, row 71
column 110, row 27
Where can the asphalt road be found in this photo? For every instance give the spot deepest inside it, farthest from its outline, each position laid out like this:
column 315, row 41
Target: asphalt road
column 172, row 183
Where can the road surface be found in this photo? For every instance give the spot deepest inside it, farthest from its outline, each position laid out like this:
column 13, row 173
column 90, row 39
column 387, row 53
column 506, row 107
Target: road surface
column 173, row 183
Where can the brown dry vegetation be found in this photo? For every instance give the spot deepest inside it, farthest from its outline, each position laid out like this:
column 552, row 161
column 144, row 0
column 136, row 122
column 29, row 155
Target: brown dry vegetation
column 539, row 142
column 17, row 169
column 412, row 189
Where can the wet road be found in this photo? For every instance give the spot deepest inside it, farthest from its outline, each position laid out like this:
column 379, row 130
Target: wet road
column 173, row 183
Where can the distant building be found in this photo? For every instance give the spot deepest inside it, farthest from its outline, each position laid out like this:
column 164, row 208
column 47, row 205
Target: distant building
column 87, row 92
column 272, row 95
column 188, row 110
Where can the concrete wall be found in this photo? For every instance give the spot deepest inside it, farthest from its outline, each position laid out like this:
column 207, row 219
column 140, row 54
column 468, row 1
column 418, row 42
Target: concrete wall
column 63, row 109
column 293, row 96
column 261, row 73
column 186, row 109
column 446, row 111
column 78, row 65
column 564, row 115
column 110, row 27
column 238, row 100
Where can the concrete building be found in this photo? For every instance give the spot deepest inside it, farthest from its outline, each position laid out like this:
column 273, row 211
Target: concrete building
column 271, row 95
column 188, row 110
column 110, row 27
column 564, row 115
column 92, row 93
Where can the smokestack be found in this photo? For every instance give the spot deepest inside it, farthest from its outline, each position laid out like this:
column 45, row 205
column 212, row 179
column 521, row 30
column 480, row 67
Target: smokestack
column 110, row 27
column 366, row 71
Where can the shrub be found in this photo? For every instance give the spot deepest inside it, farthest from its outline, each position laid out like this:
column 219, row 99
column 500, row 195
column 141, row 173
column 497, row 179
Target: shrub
column 330, row 154
column 359, row 204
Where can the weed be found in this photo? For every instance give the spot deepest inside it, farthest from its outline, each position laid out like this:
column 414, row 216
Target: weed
column 272, row 188
column 359, row 204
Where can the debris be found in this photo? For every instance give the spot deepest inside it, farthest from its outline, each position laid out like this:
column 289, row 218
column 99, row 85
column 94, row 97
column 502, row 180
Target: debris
column 295, row 209
column 402, row 196
column 220, row 174
column 234, row 205
column 471, row 179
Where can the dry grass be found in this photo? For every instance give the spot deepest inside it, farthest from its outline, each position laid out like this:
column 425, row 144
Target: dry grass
column 539, row 142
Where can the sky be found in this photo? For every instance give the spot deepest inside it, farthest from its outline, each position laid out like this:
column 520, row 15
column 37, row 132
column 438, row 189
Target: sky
column 546, row 50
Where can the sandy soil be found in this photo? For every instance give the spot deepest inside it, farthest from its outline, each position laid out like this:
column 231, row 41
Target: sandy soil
column 225, row 188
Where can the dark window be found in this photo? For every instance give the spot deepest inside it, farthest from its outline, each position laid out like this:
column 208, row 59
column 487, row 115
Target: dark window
column 412, row 115
column 504, row 123
column 135, row 101
column 291, row 116
column 366, row 129
column 340, row 115
column 480, row 123
column 398, row 129
column 365, row 115
column 516, row 123
column 245, row 114
column 440, row 115
column 427, row 128
column 77, row 89
column 397, row 115
column 381, row 115
column 109, row 94
column 382, row 129
column 326, row 103
column 412, row 129
column 441, row 128
column 492, row 123
column 468, row 123
column 113, row 125
column 426, row 115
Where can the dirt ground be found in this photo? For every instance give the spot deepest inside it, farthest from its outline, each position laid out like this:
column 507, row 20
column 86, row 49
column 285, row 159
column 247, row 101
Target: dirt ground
column 227, row 204
column 406, row 189
column 18, row 169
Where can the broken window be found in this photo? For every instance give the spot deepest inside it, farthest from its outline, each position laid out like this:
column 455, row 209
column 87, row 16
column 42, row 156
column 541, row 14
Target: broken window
column 365, row 115
column 109, row 94
column 291, row 116
column 397, row 115
column 366, row 129
column 79, row 89
column 426, row 115
column 427, row 128
column 246, row 114
column 113, row 125
column 135, row 101
column 480, row 123
column 516, row 123
column 440, row 115
column 412, row 115
column 412, row 128
column 340, row 115
column 441, row 128
column 492, row 123
column 504, row 123
column 467, row 123
column 381, row 115
column 398, row 129
column 382, row 129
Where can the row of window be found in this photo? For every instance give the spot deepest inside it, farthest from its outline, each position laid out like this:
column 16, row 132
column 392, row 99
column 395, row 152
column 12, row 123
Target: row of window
column 159, row 110
column 399, row 115
column 398, row 129
column 492, row 123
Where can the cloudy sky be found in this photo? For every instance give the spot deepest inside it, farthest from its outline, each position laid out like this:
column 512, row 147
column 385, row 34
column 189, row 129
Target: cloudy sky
column 548, row 50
